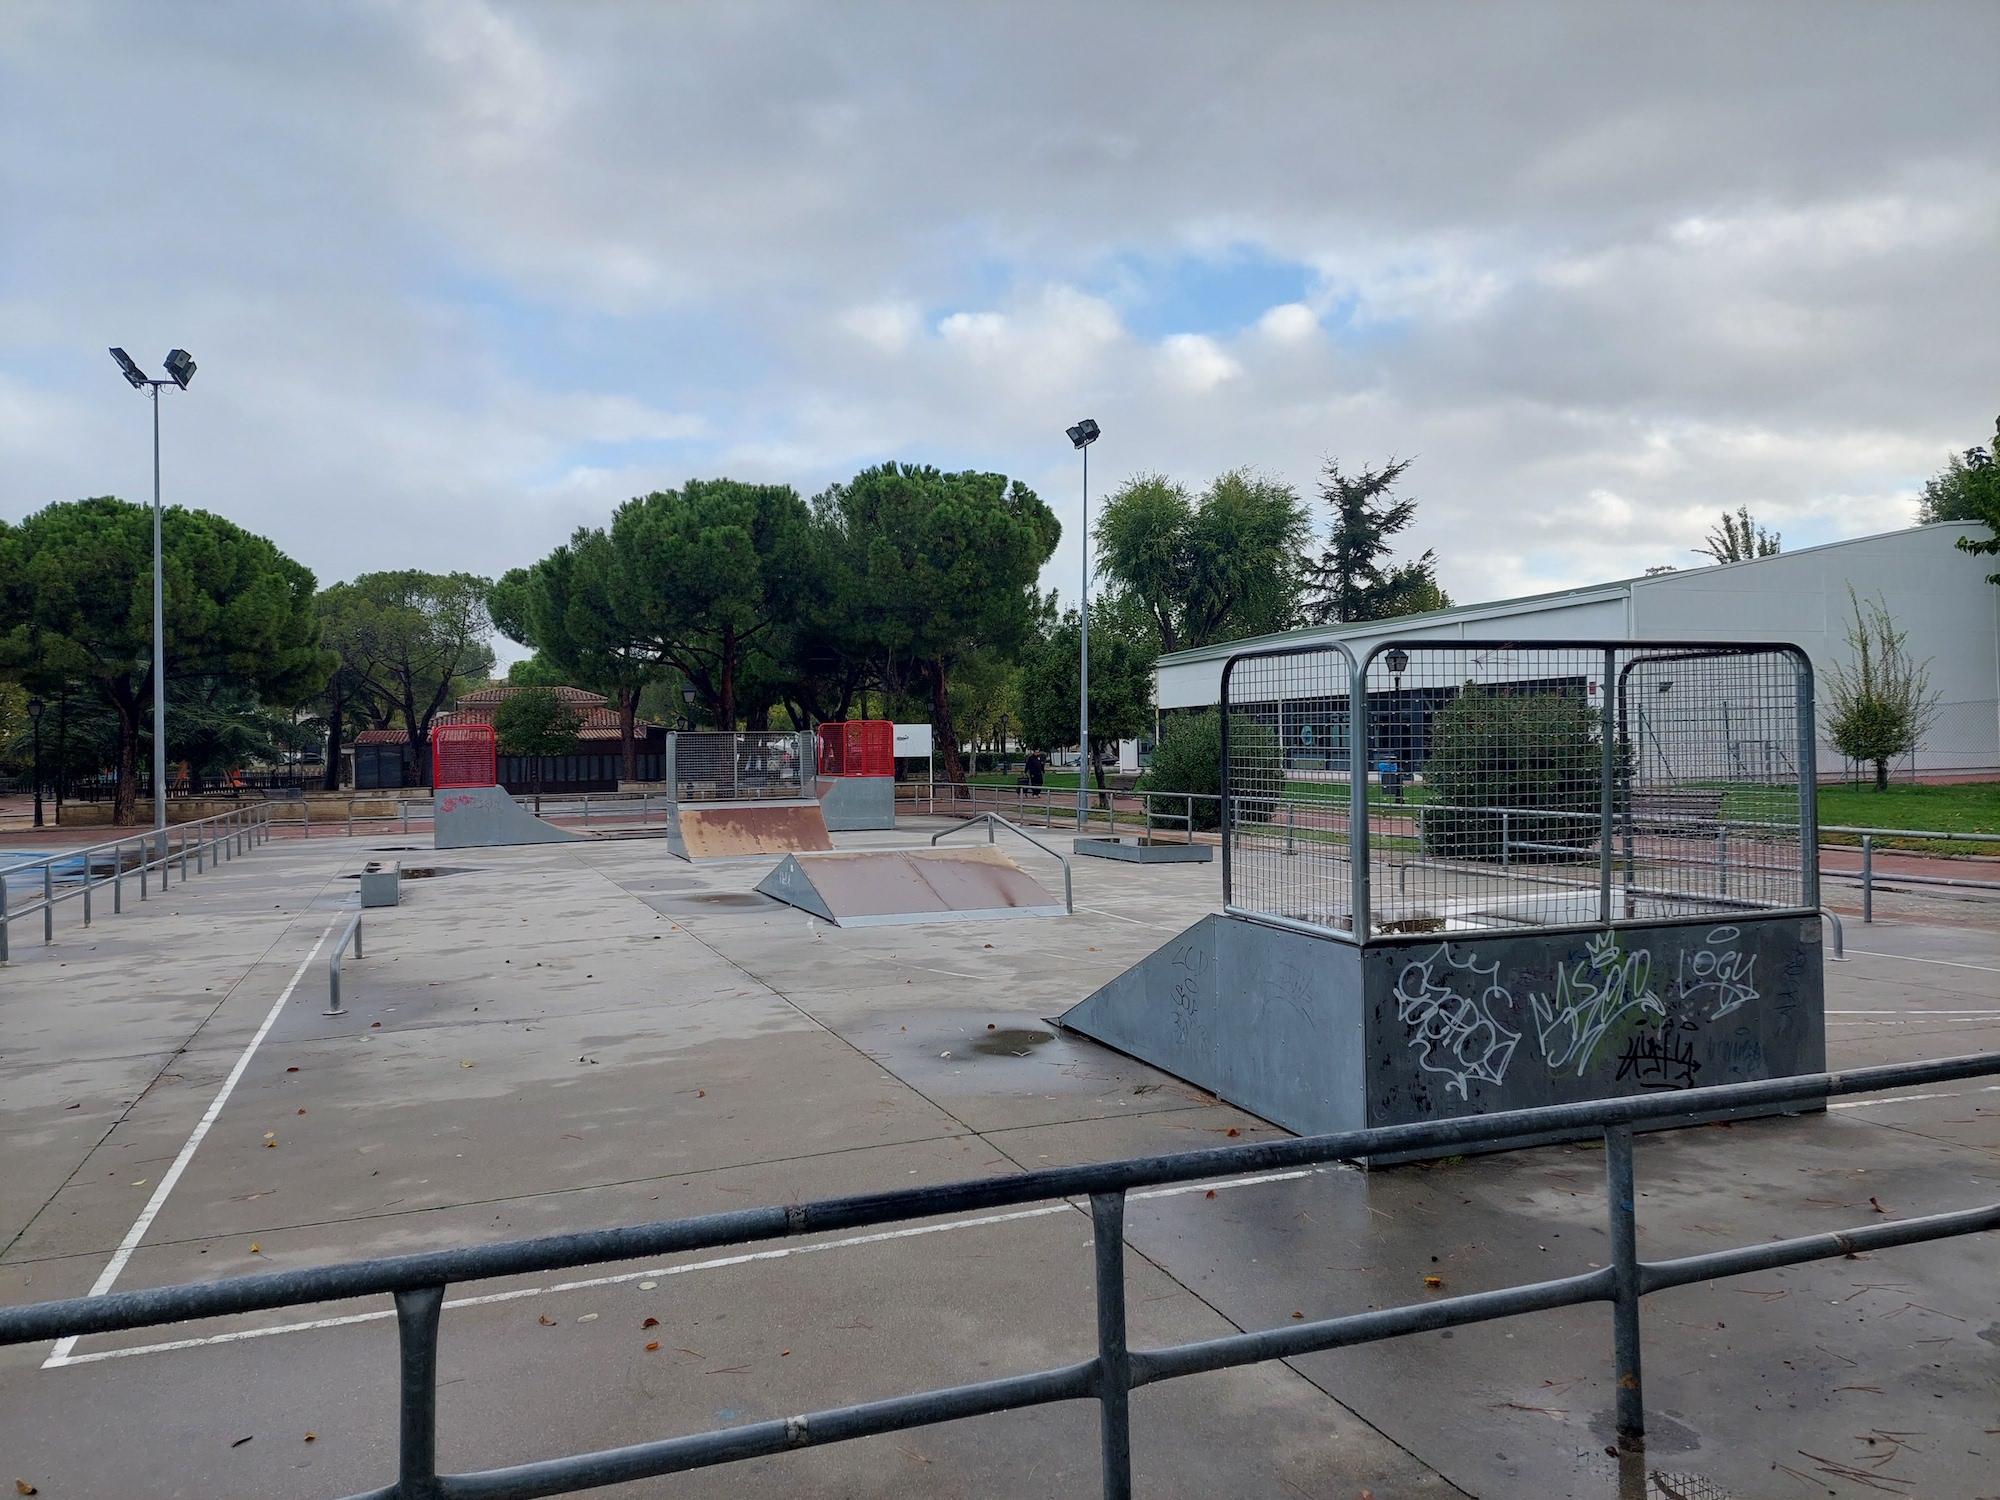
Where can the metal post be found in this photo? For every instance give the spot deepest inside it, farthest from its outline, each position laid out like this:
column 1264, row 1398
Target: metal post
column 48, row 903
column 118, row 880
column 1505, row 839
column 1114, row 1360
column 86, row 888
column 1357, row 797
column 159, row 645
column 1625, row 1283
column 1190, row 817
column 6, row 922
column 306, row 812
column 1722, row 859
column 1289, row 830
column 1083, row 671
column 1867, row 877
column 1808, row 769
column 1607, row 816
column 417, row 1332
column 350, row 817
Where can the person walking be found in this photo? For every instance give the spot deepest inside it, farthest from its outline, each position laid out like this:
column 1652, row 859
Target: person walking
column 1037, row 768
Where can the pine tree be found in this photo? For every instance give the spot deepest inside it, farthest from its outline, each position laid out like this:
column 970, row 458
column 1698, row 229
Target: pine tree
column 1353, row 579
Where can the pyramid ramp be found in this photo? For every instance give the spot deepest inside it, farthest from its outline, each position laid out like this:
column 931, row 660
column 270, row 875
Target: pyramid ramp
column 479, row 817
column 878, row 887
column 727, row 830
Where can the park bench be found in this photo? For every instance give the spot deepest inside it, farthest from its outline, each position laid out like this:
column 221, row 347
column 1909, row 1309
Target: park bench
column 281, row 793
column 1677, row 813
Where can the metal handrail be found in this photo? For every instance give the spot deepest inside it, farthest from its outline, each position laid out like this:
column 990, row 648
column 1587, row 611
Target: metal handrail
column 1912, row 833
column 991, row 820
column 220, row 836
column 418, row 1282
column 334, row 1007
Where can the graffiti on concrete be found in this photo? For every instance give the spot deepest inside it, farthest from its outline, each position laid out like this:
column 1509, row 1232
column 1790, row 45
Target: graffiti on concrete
column 1453, row 1034
column 1719, row 972
column 1592, row 995
column 1660, row 1058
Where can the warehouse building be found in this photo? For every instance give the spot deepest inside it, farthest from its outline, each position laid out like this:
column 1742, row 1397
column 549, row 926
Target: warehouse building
column 1935, row 593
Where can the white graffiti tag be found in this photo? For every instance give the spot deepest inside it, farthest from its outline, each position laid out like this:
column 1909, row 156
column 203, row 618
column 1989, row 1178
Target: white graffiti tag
column 1591, row 995
column 1720, row 973
column 1455, row 1034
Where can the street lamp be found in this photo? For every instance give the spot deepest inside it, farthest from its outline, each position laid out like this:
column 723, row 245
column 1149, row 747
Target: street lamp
column 180, row 370
column 35, row 718
column 1081, row 437
column 1398, row 662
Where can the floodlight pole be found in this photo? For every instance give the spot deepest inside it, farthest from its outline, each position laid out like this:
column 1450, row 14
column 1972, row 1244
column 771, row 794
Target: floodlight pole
column 159, row 642
column 1083, row 672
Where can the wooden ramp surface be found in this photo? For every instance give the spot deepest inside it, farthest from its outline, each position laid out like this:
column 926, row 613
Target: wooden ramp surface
column 865, row 888
column 736, row 828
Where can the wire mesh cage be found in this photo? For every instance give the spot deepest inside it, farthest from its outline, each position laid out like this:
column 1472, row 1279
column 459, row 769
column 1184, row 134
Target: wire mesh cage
column 1520, row 785
column 857, row 747
column 719, row 766
column 1287, row 735
column 464, row 755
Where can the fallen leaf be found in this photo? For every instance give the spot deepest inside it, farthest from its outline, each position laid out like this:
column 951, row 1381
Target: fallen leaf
column 783, row 1352
column 1233, row 1131
column 1210, row 1193
column 1298, row 1315
column 652, row 1346
column 255, row 1247
column 1878, row 1206
column 312, row 1437
column 546, row 1321
column 270, row 1135
column 701, row 1093
column 465, row 1065
column 291, row 1070
column 140, row 1183
column 588, row 1318
column 301, row 1111
column 374, row 1023
column 241, row 1441
column 1433, row 1281
column 650, row 1323
column 22, row 1487
column 270, row 1145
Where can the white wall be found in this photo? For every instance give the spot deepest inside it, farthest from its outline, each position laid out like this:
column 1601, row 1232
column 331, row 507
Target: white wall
column 1934, row 592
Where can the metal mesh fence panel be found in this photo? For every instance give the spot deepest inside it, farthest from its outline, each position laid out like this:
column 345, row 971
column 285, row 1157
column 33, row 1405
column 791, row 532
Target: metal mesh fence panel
column 1518, row 785
column 1287, row 730
column 463, row 755
column 717, row 766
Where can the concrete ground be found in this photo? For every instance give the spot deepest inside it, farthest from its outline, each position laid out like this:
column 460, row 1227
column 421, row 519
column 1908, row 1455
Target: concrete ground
column 590, row 1034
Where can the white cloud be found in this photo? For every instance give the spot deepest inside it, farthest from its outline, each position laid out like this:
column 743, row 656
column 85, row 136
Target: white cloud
column 1194, row 362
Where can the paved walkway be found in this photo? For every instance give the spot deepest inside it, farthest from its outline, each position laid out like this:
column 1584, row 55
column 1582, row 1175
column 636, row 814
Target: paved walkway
column 589, row 1034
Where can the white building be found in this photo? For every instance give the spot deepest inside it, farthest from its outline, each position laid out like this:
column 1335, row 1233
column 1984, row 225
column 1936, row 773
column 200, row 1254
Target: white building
column 1935, row 593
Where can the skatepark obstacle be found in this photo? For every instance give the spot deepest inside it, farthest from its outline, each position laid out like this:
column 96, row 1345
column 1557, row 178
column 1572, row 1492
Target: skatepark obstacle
column 1598, row 877
column 857, row 774
column 876, row 887
column 470, row 809
column 742, row 793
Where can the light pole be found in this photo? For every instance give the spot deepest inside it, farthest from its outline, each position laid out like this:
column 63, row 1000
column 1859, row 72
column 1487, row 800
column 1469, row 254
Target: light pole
column 1398, row 662
column 1081, row 437
column 35, row 718
column 180, row 370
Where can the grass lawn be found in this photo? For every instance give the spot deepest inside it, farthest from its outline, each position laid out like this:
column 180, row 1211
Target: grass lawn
column 1964, row 807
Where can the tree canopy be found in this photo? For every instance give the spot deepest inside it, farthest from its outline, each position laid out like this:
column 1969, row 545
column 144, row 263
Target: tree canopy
column 537, row 722
column 1353, row 579
column 1879, row 702
column 1739, row 538
column 1121, row 683
column 1216, row 568
column 1967, row 488
column 932, row 567
column 76, row 607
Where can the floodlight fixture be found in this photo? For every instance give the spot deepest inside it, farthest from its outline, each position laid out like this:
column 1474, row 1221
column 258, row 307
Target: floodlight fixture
column 134, row 376
column 1083, row 434
column 181, row 366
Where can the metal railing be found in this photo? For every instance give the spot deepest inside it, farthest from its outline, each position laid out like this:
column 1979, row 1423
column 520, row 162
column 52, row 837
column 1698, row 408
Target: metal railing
column 724, row 766
column 334, row 1007
column 418, row 1283
column 1866, row 874
column 1130, row 809
column 994, row 821
column 216, row 839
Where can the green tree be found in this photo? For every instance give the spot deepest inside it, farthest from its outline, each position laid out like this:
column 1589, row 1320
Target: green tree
column 1967, row 488
column 1536, row 755
column 1879, row 702
column 1213, row 569
column 409, row 643
column 932, row 568
column 215, row 726
column 1121, row 685
column 537, row 722
column 1353, row 579
column 702, row 576
column 1188, row 758
column 1738, row 538
column 76, row 605
column 568, row 608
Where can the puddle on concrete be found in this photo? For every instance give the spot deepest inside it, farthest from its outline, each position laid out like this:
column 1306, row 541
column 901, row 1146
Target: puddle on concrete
column 1012, row 1042
column 421, row 872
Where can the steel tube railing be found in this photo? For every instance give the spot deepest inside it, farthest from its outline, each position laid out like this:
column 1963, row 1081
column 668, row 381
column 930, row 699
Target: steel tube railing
column 334, row 1007
column 418, row 1284
column 212, row 835
column 994, row 820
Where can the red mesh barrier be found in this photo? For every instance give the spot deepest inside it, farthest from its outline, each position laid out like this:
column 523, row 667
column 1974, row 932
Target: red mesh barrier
column 859, row 747
column 464, row 755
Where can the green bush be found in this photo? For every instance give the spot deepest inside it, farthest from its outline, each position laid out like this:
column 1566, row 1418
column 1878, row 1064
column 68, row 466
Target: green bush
column 1188, row 758
column 1537, row 755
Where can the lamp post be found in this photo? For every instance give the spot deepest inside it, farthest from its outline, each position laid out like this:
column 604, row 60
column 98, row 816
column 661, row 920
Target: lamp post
column 1398, row 662
column 35, row 719
column 180, row 370
column 1081, row 437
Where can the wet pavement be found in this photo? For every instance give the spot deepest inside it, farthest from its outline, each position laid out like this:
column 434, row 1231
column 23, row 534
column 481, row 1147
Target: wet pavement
column 583, row 1035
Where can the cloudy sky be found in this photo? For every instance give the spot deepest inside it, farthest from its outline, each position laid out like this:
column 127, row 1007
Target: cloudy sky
column 463, row 275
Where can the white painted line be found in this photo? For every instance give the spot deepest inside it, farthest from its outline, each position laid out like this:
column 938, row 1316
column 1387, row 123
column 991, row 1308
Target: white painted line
column 1943, row 963
column 700, row 1265
column 1991, row 1088
column 61, row 1353
column 1914, row 1012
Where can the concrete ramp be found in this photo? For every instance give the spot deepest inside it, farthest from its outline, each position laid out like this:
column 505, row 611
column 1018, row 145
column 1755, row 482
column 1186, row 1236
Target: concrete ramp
column 875, row 887
column 722, row 830
column 475, row 817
